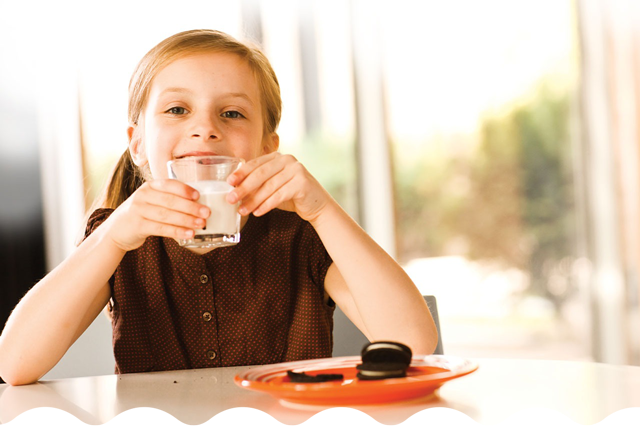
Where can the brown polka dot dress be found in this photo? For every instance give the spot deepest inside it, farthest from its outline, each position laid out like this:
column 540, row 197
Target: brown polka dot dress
column 258, row 302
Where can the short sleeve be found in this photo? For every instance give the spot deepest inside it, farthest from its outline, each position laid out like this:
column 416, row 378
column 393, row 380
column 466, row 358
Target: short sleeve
column 319, row 259
column 96, row 219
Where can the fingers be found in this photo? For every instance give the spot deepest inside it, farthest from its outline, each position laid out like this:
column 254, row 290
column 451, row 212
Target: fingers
column 173, row 186
column 265, row 201
column 160, row 229
column 237, row 177
column 177, row 218
column 175, row 196
column 168, row 208
column 265, row 178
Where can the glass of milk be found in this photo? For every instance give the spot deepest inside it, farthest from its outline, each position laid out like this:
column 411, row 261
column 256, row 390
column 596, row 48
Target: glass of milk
column 208, row 175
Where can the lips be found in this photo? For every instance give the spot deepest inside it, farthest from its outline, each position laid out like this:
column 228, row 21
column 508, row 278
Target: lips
column 196, row 154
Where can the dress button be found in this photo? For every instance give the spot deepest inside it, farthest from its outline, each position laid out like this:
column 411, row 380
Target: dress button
column 206, row 316
column 204, row 279
column 211, row 354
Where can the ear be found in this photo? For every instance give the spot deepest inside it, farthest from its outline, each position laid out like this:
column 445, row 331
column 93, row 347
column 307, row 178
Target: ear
column 136, row 146
column 271, row 143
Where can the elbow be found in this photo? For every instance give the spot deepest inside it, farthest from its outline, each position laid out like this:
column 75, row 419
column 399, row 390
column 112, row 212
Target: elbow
column 13, row 370
column 11, row 380
column 425, row 348
column 16, row 378
column 434, row 342
column 15, row 375
column 433, row 339
column 426, row 343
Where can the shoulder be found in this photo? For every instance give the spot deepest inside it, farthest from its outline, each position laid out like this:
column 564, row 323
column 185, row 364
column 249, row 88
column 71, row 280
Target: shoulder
column 283, row 219
column 280, row 228
column 282, row 223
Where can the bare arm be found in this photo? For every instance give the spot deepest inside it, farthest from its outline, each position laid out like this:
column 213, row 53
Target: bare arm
column 371, row 288
column 367, row 284
column 57, row 310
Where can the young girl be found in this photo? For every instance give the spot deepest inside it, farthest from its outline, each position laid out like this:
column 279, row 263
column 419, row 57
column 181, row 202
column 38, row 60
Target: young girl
column 269, row 298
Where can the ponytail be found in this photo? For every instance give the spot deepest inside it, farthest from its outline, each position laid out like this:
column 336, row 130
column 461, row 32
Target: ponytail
column 125, row 179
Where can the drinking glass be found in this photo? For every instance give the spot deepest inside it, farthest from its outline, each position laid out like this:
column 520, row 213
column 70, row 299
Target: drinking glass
column 208, row 175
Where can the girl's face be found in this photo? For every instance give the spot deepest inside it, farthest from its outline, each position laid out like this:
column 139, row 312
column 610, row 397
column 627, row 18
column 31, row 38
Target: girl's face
column 201, row 104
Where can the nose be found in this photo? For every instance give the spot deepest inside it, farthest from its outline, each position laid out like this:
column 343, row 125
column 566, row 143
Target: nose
column 205, row 128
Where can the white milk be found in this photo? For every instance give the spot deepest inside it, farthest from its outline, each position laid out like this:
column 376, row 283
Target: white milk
column 224, row 216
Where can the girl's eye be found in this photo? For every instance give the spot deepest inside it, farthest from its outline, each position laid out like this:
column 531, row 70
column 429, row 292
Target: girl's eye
column 177, row 110
column 232, row 114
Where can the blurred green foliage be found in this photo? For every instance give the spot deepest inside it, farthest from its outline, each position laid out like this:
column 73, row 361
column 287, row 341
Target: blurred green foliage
column 507, row 197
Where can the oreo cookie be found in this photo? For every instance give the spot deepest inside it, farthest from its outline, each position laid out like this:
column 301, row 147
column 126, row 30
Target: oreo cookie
column 308, row 378
column 384, row 360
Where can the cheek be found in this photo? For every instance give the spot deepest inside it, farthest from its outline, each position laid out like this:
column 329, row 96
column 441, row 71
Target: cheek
column 159, row 147
column 256, row 147
column 155, row 131
column 157, row 166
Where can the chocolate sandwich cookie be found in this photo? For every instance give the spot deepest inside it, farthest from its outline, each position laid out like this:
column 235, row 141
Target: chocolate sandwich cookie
column 303, row 377
column 384, row 360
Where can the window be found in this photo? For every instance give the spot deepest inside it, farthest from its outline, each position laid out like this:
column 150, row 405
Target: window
column 493, row 119
column 480, row 110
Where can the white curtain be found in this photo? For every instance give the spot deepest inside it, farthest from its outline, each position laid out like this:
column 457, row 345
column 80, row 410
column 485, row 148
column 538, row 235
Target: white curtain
column 608, row 176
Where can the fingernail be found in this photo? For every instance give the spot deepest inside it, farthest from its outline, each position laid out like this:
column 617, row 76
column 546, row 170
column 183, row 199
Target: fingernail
column 231, row 180
column 232, row 197
column 200, row 222
column 188, row 234
column 204, row 212
column 242, row 210
column 195, row 195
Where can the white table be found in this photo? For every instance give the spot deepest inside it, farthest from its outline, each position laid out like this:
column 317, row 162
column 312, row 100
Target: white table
column 584, row 392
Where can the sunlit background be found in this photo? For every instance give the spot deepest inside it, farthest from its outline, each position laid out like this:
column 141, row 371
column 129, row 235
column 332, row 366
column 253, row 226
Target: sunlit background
column 490, row 146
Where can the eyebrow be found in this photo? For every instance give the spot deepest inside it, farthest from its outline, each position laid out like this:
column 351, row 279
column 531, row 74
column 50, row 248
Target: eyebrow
column 226, row 95
column 175, row 90
column 238, row 95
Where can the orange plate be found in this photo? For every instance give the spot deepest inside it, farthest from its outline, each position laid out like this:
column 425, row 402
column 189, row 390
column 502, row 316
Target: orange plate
column 425, row 375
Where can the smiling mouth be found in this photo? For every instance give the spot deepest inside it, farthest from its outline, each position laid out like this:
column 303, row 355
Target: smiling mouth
column 196, row 154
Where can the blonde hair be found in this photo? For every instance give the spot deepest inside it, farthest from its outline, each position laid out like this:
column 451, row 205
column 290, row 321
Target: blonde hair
column 126, row 176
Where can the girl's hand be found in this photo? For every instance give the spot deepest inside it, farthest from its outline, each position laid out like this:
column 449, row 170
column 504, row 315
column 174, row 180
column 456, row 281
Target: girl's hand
column 277, row 181
column 163, row 207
